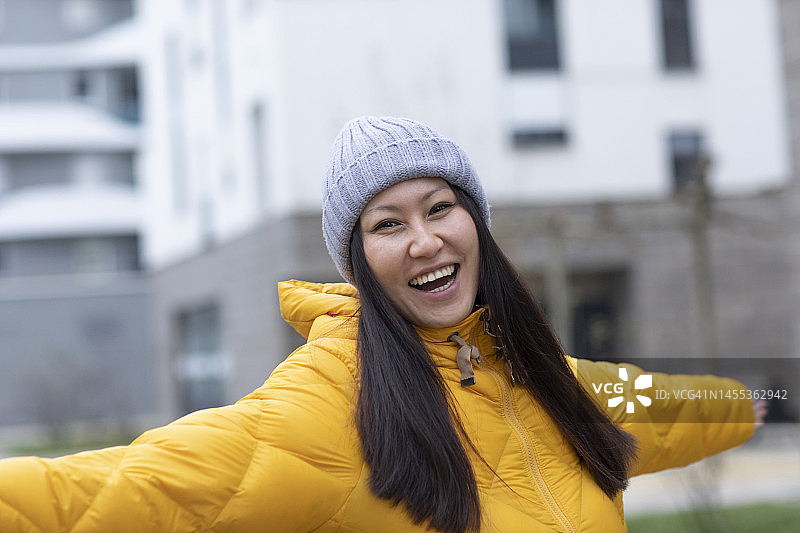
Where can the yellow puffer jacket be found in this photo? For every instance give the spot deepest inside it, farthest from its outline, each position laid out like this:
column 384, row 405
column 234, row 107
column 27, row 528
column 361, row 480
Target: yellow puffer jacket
column 286, row 457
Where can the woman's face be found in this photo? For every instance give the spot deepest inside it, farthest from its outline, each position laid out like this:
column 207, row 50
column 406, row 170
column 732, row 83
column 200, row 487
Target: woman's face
column 422, row 246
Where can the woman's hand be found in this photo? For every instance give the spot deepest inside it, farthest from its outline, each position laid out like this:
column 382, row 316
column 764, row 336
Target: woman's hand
column 759, row 412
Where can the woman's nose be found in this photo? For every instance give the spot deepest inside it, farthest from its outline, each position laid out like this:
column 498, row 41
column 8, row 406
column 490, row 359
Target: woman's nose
column 424, row 243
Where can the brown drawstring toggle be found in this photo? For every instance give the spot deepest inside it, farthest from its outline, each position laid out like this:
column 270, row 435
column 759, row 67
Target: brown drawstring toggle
column 464, row 357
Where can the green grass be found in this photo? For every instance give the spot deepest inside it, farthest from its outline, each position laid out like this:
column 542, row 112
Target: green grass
column 67, row 446
column 757, row 518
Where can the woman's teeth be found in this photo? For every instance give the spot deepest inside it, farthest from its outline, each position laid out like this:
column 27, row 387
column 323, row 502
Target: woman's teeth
column 433, row 276
column 443, row 287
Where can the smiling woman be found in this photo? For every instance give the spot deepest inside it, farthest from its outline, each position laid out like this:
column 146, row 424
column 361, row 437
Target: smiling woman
column 432, row 393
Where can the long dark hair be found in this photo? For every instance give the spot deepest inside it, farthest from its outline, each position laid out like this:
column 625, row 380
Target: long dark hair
column 412, row 438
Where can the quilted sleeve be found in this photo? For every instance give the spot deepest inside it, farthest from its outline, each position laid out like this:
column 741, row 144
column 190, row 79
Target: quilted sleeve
column 47, row 494
column 676, row 419
column 279, row 459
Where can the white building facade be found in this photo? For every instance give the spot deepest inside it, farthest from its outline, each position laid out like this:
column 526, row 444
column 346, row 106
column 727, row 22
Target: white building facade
column 554, row 100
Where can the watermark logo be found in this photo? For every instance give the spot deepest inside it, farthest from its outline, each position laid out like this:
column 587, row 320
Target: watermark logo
column 685, row 389
column 644, row 381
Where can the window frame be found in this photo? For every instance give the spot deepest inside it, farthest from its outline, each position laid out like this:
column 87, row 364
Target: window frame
column 686, row 159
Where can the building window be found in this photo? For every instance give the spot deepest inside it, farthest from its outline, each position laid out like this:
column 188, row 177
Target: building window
column 596, row 305
column 128, row 94
column 85, row 255
column 107, row 254
column 676, row 33
column 199, row 364
column 594, row 331
column 532, row 30
column 686, row 152
column 539, row 137
column 44, row 257
column 37, row 169
column 82, row 85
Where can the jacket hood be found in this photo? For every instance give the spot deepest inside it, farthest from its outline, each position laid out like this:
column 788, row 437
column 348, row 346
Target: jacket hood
column 309, row 307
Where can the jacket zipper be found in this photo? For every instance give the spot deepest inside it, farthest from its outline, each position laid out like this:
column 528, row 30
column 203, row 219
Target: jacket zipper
column 533, row 465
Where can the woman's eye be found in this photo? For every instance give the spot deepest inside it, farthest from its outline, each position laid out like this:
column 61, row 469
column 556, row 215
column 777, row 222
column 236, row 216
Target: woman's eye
column 442, row 206
column 384, row 224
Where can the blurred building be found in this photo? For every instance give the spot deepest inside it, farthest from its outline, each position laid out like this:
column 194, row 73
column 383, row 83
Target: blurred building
column 790, row 41
column 587, row 120
column 75, row 330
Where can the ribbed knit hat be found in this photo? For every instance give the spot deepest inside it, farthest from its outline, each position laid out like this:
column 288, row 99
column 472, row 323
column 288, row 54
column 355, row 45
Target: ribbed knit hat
column 371, row 154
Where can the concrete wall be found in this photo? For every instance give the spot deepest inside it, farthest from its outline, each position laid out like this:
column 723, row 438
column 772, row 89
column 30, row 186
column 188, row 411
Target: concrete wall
column 648, row 241
column 75, row 349
column 241, row 278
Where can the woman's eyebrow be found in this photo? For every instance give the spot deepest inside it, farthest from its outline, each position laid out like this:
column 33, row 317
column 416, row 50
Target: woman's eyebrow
column 395, row 208
column 382, row 207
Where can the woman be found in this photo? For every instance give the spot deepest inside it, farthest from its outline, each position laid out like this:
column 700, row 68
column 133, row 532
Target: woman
column 431, row 394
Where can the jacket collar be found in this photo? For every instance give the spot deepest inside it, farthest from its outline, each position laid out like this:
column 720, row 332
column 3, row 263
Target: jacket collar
column 467, row 328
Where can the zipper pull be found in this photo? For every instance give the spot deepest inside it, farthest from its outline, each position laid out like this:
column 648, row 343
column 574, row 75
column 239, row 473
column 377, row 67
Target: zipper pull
column 464, row 357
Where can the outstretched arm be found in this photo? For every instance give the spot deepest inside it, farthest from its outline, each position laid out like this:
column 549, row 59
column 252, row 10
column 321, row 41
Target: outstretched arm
column 276, row 460
column 172, row 475
column 691, row 418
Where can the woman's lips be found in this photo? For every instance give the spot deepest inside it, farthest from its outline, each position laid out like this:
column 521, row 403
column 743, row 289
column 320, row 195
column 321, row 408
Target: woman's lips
column 438, row 281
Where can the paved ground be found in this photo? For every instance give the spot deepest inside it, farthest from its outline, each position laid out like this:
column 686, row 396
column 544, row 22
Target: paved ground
column 766, row 469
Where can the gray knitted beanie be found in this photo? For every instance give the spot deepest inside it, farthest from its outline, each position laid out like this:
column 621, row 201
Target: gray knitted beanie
column 371, row 154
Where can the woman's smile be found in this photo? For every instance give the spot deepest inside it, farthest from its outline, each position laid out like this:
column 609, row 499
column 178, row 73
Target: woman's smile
column 436, row 281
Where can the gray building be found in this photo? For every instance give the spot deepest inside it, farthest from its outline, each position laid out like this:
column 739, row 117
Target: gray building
column 75, row 316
